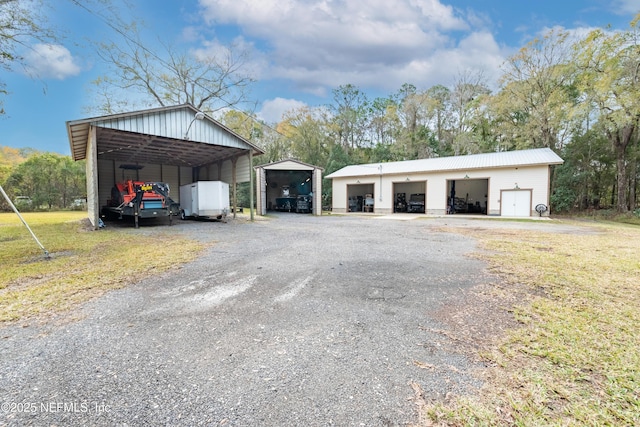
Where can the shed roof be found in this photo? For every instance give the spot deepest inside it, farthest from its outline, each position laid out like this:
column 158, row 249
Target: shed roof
column 288, row 164
column 166, row 135
column 533, row 157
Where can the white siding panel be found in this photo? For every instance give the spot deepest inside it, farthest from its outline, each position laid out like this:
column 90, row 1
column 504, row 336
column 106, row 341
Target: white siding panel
column 339, row 194
column 317, row 192
column 170, row 176
column 107, row 177
column 288, row 165
column 214, row 172
column 227, row 172
column 174, row 124
column 150, row 173
column 261, row 185
column 186, row 176
column 243, row 169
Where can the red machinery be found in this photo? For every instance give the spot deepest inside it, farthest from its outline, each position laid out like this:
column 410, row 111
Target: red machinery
column 140, row 200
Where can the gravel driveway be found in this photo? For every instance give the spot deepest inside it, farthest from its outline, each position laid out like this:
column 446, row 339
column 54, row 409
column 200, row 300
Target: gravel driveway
column 293, row 320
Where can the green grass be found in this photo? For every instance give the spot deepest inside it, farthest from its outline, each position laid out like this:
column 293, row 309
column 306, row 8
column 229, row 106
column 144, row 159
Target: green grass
column 576, row 358
column 83, row 264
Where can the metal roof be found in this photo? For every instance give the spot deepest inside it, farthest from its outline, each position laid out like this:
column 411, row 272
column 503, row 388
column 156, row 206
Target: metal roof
column 288, row 164
column 533, row 157
column 166, row 135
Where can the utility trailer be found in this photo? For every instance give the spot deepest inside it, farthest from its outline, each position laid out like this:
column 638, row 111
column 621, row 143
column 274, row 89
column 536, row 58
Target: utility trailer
column 204, row 199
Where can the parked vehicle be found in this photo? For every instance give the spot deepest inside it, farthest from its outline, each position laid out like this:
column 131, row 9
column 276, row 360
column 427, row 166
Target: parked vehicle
column 304, row 204
column 416, row 203
column 401, row 203
column 23, row 202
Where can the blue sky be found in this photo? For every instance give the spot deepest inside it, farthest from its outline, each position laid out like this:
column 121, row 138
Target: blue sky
column 300, row 49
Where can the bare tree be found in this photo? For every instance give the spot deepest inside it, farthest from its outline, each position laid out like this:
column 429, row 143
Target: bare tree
column 208, row 79
column 467, row 101
column 21, row 22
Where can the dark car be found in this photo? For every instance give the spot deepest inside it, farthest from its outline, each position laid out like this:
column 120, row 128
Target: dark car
column 416, row 203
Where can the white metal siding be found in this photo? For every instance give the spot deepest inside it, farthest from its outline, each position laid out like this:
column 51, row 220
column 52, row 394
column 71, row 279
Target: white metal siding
column 243, row 169
column 289, row 165
column 186, row 175
column 339, row 195
column 317, row 192
column 174, row 124
column 169, row 175
column 150, row 173
column 106, row 181
column 227, row 172
column 214, row 172
column 535, row 178
column 261, row 185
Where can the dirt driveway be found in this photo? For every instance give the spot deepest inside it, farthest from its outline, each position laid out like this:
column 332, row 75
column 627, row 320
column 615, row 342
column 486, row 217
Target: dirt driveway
column 293, row 320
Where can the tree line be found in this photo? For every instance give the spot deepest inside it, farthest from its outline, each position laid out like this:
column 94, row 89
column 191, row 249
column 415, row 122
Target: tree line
column 41, row 181
column 579, row 96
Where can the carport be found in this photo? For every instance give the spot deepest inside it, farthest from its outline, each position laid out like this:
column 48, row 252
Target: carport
column 282, row 185
column 176, row 145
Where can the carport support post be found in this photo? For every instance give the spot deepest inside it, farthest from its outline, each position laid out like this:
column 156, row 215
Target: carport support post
column 234, row 171
column 251, row 182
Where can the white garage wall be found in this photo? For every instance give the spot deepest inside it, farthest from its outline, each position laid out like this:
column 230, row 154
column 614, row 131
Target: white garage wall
column 535, row 178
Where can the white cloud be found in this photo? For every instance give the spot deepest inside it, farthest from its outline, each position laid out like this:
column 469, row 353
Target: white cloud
column 322, row 44
column 238, row 54
column 624, row 7
column 273, row 110
column 51, row 61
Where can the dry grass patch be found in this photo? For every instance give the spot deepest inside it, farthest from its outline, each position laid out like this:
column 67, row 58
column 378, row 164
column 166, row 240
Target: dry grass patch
column 83, row 264
column 574, row 359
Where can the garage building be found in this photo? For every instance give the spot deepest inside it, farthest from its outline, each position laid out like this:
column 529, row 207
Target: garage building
column 281, row 185
column 176, row 145
column 510, row 183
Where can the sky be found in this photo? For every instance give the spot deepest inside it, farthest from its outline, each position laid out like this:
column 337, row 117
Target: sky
column 300, row 50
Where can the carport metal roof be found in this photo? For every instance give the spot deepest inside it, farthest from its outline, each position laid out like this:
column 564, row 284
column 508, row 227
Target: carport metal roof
column 166, row 135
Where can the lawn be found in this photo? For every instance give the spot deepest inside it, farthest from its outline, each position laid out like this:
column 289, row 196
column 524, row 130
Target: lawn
column 575, row 359
column 83, row 263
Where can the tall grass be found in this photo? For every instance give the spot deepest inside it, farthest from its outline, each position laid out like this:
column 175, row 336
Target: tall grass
column 575, row 360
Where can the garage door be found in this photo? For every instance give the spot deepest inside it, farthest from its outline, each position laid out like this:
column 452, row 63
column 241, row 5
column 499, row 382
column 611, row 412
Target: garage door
column 516, row 203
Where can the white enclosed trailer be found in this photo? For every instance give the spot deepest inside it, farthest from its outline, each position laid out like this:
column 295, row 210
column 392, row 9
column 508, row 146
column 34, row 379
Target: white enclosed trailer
column 209, row 199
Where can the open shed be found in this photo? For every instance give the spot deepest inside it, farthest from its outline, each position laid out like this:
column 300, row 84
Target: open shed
column 511, row 183
column 176, row 145
column 289, row 185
